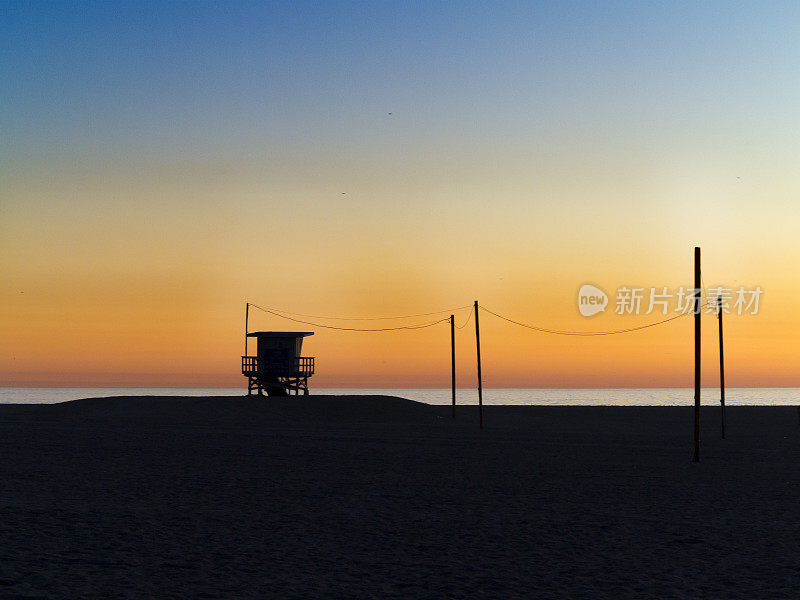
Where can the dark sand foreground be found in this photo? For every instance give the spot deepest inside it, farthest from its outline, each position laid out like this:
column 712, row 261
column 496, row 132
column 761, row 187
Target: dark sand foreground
column 337, row 497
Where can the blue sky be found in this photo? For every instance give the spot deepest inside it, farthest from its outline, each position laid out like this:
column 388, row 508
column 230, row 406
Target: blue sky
column 234, row 79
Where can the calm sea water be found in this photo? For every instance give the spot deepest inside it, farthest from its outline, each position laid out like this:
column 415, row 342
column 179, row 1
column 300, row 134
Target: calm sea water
column 569, row 397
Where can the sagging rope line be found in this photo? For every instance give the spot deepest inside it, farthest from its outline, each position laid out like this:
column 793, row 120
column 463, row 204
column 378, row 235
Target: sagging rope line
column 585, row 333
column 438, row 312
column 469, row 318
column 421, row 326
column 466, row 322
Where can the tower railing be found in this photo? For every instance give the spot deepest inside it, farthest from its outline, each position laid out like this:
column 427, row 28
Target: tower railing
column 299, row 366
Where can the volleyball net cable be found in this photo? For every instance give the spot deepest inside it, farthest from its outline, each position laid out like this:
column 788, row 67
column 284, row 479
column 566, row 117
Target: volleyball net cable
column 469, row 318
column 305, row 316
column 338, row 328
column 705, row 305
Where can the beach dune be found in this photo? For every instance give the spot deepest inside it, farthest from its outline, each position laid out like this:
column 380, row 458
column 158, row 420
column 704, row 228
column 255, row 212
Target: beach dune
column 375, row 496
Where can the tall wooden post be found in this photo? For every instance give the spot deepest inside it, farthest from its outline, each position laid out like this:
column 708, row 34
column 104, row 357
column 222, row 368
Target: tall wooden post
column 453, row 358
column 721, row 365
column 480, row 380
column 697, row 315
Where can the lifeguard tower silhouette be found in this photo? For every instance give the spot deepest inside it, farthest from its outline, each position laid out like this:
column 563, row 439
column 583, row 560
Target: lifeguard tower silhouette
column 278, row 368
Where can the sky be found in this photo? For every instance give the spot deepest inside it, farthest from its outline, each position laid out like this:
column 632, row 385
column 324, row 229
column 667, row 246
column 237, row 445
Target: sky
column 162, row 164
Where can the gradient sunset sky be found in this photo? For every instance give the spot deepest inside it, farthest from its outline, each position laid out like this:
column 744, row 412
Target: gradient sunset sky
column 163, row 163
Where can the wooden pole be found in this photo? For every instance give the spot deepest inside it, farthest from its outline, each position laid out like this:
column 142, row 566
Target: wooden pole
column 453, row 358
column 246, row 317
column 721, row 366
column 480, row 381
column 697, row 314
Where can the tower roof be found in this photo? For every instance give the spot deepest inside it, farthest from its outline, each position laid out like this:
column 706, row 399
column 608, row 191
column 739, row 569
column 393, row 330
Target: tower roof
column 279, row 334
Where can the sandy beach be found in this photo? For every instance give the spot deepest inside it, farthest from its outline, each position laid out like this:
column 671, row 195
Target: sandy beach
column 353, row 497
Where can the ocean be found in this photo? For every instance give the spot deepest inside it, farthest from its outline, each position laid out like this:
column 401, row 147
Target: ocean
column 550, row 397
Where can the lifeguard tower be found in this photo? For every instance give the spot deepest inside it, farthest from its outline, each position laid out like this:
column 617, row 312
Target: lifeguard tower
column 278, row 368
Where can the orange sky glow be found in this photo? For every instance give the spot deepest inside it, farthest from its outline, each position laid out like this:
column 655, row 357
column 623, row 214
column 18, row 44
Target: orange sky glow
column 149, row 189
